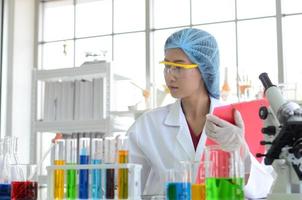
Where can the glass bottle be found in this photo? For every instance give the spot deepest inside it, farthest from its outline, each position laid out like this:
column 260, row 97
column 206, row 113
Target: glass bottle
column 225, row 91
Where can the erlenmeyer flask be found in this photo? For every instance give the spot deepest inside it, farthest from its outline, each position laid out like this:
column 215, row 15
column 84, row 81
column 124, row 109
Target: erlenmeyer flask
column 5, row 187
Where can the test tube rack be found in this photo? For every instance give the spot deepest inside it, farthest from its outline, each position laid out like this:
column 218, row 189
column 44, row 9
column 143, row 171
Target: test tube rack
column 134, row 177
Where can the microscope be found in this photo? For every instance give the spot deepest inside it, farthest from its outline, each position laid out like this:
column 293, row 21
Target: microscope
column 283, row 141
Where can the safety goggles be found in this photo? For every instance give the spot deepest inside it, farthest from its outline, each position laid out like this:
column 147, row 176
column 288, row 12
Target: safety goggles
column 176, row 68
column 181, row 65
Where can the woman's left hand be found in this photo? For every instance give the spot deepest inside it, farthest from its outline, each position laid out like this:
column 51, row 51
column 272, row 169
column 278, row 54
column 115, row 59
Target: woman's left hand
column 229, row 136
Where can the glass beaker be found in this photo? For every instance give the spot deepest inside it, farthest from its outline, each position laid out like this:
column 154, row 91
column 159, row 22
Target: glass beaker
column 178, row 182
column 224, row 174
column 24, row 185
column 198, row 181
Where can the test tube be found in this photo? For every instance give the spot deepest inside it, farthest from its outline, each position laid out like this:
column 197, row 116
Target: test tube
column 71, row 159
column 122, row 186
column 109, row 158
column 96, row 158
column 59, row 173
column 84, row 173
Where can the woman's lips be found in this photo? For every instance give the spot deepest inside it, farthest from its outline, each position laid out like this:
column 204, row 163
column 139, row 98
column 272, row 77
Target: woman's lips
column 173, row 88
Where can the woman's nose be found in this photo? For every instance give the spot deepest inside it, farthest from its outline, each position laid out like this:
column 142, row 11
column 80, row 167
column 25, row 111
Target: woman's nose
column 170, row 77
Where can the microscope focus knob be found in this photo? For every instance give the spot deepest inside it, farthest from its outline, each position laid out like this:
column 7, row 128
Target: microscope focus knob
column 263, row 112
column 269, row 130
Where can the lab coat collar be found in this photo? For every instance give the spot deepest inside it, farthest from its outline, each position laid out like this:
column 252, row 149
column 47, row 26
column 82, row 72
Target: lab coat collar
column 176, row 118
column 202, row 141
column 173, row 117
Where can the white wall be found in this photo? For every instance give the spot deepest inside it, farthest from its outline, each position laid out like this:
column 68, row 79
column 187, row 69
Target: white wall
column 19, row 60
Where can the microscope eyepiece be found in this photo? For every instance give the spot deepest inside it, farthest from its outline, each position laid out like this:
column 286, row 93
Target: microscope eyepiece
column 266, row 82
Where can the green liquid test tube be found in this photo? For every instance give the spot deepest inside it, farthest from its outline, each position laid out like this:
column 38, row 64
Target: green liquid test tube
column 71, row 159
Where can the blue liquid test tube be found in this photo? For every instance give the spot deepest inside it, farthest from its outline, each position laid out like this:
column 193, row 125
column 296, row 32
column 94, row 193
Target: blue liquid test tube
column 84, row 173
column 96, row 158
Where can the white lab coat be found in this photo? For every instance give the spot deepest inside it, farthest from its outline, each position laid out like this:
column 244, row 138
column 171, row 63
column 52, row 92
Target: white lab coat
column 160, row 138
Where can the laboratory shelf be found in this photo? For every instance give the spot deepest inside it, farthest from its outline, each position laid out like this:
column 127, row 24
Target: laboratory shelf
column 128, row 112
column 84, row 72
column 73, row 126
column 81, row 123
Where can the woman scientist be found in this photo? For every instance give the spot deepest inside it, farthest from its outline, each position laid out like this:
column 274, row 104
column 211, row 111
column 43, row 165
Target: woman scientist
column 160, row 139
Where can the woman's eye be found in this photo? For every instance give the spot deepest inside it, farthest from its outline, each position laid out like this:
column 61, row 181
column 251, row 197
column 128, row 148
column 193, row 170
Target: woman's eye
column 178, row 68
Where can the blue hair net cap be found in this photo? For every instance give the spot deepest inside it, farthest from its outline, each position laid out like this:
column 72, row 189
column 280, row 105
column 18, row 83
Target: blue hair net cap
column 202, row 49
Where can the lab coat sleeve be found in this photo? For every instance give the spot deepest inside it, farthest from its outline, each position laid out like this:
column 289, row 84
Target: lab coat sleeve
column 137, row 156
column 260, row 180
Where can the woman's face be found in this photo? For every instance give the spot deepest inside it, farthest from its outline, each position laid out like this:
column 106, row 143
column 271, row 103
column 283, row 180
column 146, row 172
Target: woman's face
column 184, row 82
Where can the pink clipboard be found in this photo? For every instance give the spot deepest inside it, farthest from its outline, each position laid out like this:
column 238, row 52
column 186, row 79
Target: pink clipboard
column 253, row 124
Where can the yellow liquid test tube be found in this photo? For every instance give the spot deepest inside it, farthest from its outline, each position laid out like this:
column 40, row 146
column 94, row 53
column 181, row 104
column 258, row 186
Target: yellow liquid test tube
column 198, row 191
column 122, row 173
column 59, row 173
column 59, row 181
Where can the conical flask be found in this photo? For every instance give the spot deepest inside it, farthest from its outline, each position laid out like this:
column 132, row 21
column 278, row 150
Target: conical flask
column 5, row 178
